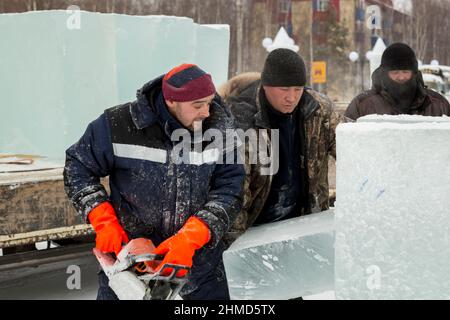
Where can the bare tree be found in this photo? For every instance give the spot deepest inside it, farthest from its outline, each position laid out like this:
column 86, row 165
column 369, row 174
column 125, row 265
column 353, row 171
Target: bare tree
column 429, row 30
column 420, row 26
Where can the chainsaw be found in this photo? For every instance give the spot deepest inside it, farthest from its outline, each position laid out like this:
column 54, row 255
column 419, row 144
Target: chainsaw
column 133, row 275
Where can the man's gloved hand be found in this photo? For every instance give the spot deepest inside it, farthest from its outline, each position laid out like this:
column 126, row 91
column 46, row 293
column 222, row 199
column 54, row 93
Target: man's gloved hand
column 110, row 234
column 180, row 248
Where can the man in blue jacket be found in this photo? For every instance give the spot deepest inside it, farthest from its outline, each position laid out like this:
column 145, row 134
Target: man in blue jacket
column 184, row 207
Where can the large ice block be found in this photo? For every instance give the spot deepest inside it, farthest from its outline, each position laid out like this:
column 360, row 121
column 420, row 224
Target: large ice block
column 283, row 260
column 57, row 76
column 393, row 211
column 402, row 118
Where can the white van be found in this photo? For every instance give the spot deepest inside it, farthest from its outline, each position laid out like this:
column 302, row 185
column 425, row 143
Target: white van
column 437, row 78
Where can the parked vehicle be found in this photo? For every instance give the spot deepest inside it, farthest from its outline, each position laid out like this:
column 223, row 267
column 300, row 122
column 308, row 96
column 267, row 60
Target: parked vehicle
column 437, row 78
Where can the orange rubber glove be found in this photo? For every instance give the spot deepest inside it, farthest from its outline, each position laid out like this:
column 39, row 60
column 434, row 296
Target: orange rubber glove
column 180, row 248
column 109, row 233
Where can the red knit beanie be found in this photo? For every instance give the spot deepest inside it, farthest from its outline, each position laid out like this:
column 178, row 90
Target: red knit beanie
column 187, row 82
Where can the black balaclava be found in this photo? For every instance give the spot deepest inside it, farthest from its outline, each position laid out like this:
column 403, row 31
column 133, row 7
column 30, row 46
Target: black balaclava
column 400, row 56
column 402, row 93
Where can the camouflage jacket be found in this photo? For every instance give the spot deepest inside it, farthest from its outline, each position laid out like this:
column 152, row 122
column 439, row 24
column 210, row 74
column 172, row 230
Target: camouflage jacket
column 320, row 121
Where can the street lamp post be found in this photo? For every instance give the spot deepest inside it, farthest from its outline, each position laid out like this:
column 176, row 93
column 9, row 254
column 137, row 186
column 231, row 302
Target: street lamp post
column 372, row 56
column 354, row 56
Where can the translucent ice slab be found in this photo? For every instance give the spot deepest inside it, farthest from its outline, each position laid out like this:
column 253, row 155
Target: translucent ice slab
column 402, row 118
column 392, row 211
column 60, row 70
column 283, row 260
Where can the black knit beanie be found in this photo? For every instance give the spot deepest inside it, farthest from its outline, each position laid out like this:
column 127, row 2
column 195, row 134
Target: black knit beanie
column 399, row 56
column 284, row 68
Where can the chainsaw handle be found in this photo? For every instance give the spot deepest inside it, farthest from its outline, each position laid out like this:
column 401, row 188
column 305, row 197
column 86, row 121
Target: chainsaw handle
column 148, row 257
column 171, row 277
column 175, row 269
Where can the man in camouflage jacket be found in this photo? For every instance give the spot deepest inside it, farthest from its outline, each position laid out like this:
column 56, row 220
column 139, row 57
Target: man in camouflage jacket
column 307, row 126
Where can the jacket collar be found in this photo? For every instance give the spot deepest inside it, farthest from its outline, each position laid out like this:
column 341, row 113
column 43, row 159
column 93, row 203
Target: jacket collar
column 165, row 119
column 308, row 104
column 150, row 108
column 143, row 111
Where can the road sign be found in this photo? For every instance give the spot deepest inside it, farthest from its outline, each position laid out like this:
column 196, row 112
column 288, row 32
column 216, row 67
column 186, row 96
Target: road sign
column 319, row 72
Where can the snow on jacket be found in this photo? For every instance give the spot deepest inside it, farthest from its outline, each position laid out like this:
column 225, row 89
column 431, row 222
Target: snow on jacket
column 153, row 195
